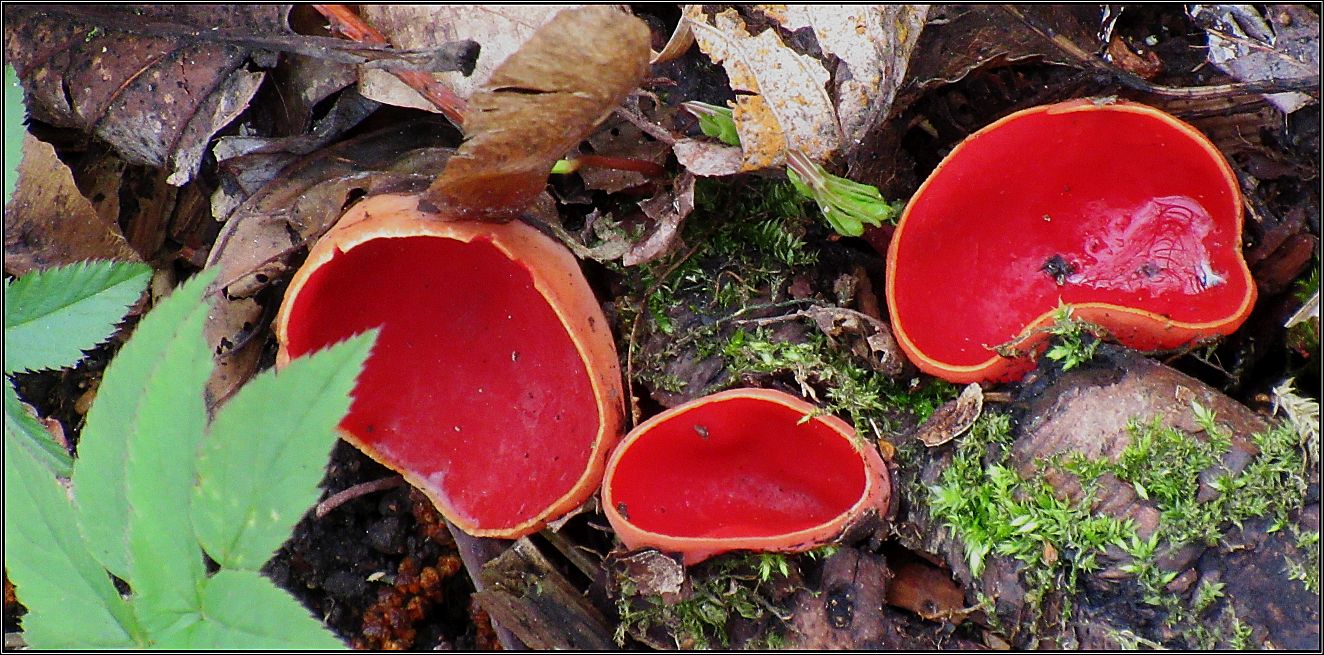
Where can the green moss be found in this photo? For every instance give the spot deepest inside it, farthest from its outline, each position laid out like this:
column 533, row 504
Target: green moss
column 1306, row 571
column 991, row 508
column 1075, row 340
column 864, row 396
column 723, row 588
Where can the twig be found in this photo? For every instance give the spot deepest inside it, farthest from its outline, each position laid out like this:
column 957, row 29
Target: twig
column 354, row 28
column 1308, row 84
column 363, row 489
column 571, row 552
column 647, row 126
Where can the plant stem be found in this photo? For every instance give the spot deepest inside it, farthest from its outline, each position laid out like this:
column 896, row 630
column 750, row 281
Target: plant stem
column 348, row 23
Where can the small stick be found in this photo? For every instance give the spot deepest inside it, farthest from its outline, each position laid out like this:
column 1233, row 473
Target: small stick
column 354, row 28
column 1308, row 84
column 363, row 489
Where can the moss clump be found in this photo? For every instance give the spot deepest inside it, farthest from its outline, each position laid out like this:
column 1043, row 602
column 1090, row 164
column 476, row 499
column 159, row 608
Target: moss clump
column 992, row 509
column 869, row 399
column 723, row 588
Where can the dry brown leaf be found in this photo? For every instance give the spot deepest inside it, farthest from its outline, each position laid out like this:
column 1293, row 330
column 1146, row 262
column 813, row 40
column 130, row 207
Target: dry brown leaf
column 540, row 103
column 620, row 138
column 499, row 30
column 668, row 210
column 49, row 223
column 953, row 418
column 259, row 242
column 781, row 97
column 157, row 99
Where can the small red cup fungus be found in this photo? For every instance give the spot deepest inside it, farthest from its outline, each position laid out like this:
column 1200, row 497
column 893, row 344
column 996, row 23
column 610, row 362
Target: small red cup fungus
column 744, row 469
column 493, row 386
column 1123, row 212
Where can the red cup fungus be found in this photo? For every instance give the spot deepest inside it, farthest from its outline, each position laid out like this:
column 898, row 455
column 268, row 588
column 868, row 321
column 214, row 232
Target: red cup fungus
column 744, row 469
column 1119, row 210
column 494, row 385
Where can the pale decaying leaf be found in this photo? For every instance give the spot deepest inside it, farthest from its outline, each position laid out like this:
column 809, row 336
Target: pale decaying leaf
column 781, row 95
column 681, row 38
column 1282, row 44
column 1303, row 414
column 499, row 30
column 874, row 43
column 707, row 158
column 540, row 103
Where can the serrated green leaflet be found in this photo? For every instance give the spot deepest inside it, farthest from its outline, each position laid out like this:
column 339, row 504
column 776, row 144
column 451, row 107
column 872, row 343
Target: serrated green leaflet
column 14, row 131
column 266, row 452
column 150, row 398
column 52, row 571
column 22, row 426
column 231, row 620
column 52, row 316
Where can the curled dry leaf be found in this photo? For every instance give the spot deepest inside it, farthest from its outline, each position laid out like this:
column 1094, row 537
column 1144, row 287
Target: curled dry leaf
column 781, row 96
column 681, row 38
column 49, row 223
column 156, row 99
column 499, row 30
column 539, row 104
column 953, row 418
column 263, row 235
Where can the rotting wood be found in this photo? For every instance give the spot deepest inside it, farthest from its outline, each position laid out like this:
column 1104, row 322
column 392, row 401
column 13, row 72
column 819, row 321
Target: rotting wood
column 528, row 595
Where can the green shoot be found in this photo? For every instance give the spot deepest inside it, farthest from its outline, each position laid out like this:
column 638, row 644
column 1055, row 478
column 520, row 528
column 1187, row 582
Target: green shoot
column 716, row 122
column 1076, row 342
column 847, row 205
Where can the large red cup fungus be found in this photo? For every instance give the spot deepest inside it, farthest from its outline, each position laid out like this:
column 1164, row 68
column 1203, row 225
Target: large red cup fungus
column 1119, row 210
column 741, row 470
column 493, row 386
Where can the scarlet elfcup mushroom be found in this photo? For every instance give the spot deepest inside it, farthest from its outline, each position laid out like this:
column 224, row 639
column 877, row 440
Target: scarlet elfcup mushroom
column 744, row 469
column 493, row 386
column 1123, row 212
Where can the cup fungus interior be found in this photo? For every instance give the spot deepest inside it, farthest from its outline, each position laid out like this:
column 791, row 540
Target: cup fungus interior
column 474, row 385
column 1117, row 206
column 742, row 467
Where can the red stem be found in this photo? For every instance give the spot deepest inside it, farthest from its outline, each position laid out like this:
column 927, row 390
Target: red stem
column 348, row 23
column 647, row 168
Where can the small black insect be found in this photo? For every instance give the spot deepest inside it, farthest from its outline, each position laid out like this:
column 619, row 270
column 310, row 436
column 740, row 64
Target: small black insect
column 1058, row 268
